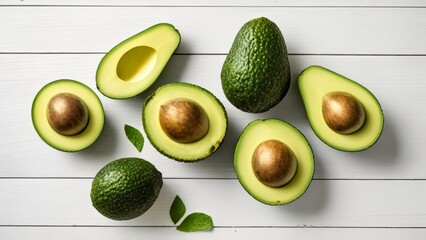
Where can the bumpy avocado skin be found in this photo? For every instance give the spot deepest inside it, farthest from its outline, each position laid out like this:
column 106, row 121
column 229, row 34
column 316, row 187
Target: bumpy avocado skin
column 126, row 188
column 256, row 73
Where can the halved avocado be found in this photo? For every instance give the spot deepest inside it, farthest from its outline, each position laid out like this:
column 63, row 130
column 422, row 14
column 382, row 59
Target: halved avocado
column 261, row 131
column 315, row 83
column 182, row 94
column 135, row 64
column 63, row 140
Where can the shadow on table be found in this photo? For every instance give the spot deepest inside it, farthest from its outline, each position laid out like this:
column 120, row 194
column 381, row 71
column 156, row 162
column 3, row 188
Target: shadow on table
column 385, row 150
column 315, row 198
column 105, row 145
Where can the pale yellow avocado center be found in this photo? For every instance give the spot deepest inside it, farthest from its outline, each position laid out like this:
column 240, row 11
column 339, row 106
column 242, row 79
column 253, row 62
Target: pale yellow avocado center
column 136, row 63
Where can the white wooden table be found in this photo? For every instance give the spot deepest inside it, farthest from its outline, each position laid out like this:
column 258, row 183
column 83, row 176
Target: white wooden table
column 379, row 193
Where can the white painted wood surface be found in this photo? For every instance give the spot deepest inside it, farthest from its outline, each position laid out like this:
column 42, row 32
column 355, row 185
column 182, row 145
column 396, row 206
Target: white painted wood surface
column 211, row 30
column 379, row 193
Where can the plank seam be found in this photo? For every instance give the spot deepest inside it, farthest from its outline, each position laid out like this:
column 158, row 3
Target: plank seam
column 217, row 226
column 206, row 6
column 224, row 54
column 217, row 179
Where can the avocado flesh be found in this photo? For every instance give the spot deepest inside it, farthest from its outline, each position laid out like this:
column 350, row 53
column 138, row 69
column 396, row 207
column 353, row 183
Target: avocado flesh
column 254, row 134
column 314, row 83
column 135, row 64
column 187, row 152
column 56, row 140
column 256, row 73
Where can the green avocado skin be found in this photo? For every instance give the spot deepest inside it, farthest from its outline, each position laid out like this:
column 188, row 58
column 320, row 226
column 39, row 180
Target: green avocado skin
column 256, row 73
column 126, row 188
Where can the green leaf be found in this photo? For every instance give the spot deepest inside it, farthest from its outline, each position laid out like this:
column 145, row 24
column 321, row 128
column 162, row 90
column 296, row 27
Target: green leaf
column 135, row 136
column 177, row 210
column 196, row 222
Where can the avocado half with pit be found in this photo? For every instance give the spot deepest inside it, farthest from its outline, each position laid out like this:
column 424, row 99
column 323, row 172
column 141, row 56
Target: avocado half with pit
column 184, row 121
column 67, row 115
column 135, row 64
column 343, row 114
column 273, row 161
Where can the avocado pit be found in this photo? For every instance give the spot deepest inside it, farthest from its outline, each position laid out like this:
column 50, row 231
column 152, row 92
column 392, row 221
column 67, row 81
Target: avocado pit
column 343, row 112
column 274, row 163
column 67, row 114
column 183, row 120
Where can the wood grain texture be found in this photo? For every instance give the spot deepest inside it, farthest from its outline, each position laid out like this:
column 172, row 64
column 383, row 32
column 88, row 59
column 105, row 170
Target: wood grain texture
column 396, row 81
column 211, row 30
column 234, row 3
column 375, row 194
column 343, row 203
column 236, row 233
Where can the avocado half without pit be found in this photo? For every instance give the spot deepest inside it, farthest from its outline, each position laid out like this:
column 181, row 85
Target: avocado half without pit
column 184, row 121
column 67, row 115
column 273, row 161
column 135, row 64
column 342, row 113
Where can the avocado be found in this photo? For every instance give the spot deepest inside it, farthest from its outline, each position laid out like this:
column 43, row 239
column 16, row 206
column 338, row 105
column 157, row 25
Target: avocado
column 256, row 73
column 289, row 147
column 67, row 115
column 343, row 114
column 135, row 64
column 125, row 188
column 184, row 121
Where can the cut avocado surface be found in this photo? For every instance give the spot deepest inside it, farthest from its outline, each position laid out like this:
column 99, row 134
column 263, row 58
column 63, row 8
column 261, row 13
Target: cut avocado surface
column 196, row 150
column 259, row 131
column 256, row 72
column 68, row 143
column 314, row 83
column 135, row 64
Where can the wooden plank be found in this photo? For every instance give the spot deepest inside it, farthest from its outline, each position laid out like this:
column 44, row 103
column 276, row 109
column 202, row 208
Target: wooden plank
column 307, row 30
column 361, row 204
column 397, row 82
column 171, row 3
column 375, row 194
column 137, row 233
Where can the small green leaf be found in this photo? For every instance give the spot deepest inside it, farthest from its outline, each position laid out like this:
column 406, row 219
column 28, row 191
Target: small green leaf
column 196, row 222
column 177, row 210
column 135, row 136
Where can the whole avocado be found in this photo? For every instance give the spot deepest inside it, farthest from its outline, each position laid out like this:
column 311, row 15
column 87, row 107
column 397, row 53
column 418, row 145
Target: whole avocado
column 256, row 73
column 126, row 188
